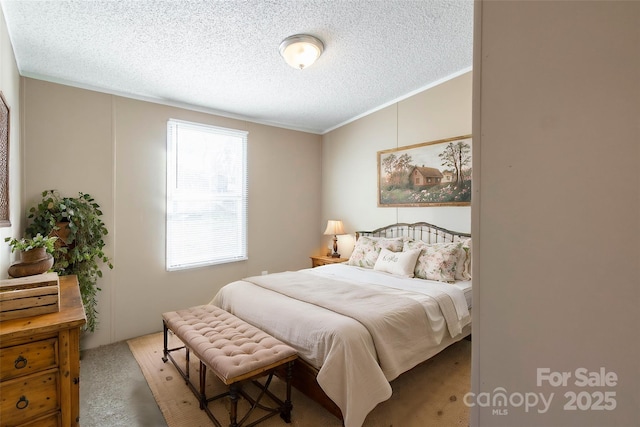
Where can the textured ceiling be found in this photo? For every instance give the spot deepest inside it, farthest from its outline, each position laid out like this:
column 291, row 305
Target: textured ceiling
column 222, row 56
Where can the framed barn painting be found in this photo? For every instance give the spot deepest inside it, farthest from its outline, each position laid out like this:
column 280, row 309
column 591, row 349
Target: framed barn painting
column 436, row 173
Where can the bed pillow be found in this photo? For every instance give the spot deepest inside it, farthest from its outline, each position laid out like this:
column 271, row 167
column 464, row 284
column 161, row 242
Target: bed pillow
column 398, row 263
column 394, row 244
column 463, row 272
column 365, row 254
column 438, row 261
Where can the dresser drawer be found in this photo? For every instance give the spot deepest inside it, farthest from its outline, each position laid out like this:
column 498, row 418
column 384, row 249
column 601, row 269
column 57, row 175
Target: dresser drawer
column 28, row 397
column 27, row 358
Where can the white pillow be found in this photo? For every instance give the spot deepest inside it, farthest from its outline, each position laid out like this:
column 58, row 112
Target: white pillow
column 398, row 263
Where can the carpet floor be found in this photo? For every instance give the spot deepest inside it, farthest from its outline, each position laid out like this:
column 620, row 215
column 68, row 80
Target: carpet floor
column 429, row 395
column 113, row 391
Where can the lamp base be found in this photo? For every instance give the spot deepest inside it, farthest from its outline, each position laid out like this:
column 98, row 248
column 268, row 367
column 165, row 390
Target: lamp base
column 335, row 255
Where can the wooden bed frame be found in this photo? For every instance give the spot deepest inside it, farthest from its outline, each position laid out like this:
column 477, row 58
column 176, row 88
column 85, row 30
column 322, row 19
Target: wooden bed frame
column 304, row 374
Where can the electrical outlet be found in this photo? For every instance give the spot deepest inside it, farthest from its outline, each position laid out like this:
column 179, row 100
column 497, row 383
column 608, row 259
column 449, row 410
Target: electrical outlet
column 264, row 273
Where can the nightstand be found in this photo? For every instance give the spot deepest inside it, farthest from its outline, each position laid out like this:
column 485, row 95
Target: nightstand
column 317, row 261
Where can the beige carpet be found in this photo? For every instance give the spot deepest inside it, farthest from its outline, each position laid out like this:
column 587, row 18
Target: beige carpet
column 429, row 395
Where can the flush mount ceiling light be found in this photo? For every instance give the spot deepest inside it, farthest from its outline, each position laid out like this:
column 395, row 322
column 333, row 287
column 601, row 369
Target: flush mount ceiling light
column 301, row 50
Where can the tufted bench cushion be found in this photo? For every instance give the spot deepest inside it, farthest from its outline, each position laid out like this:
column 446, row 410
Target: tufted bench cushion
column 236, row 352
column 229, row 346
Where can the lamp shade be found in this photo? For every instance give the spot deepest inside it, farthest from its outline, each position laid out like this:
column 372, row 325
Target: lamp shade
column 334, row 227
column 301, row 50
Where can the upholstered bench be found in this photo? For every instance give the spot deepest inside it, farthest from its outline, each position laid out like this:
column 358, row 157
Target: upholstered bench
column 236, row 352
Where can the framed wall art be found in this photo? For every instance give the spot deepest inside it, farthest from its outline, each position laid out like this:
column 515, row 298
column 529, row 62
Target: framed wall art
column 436, row 173
column 4, row 162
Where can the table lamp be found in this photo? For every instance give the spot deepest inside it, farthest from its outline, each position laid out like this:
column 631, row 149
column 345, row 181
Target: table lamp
column 334, row 227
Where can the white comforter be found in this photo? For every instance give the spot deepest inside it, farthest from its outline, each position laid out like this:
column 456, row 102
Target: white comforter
column 356, row 360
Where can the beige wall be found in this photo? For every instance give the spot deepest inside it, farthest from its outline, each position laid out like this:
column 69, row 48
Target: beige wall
column 556, row 220
column 10, row 87
column 349, row 159
column 114, row 148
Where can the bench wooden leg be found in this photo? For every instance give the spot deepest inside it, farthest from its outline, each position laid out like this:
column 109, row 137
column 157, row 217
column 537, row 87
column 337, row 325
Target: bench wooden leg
column 165, row 352
column 186, row 368
column 233, row 412
column 203, row 385
column 288, row 406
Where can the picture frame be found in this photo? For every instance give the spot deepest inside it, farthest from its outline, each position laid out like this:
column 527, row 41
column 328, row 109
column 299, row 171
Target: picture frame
column 5, row 123
column 435, row 173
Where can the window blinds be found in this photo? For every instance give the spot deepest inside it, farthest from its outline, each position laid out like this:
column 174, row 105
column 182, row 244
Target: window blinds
column 206, row 195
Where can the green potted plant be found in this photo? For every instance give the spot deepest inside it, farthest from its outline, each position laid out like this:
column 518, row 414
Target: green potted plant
column 35, row 254
column 33, row 248
column 79, row 249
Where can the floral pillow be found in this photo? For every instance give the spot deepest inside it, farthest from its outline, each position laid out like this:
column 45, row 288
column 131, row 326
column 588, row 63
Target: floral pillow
column 398, row 263
column 439, row 261
column 367, row 249
column 464, row 273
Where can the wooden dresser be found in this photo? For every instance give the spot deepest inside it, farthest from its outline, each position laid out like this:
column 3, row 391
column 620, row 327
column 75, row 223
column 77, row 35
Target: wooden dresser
column 40, row 364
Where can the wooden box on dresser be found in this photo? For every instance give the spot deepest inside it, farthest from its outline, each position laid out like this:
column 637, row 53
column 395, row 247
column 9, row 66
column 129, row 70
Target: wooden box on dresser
column 40, row 364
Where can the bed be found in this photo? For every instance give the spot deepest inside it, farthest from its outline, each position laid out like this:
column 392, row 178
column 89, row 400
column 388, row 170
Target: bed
column 403, row 296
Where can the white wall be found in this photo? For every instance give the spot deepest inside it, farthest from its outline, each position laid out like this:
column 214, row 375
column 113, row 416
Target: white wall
column 556, row 211
column 114, row 149
column 349, row 159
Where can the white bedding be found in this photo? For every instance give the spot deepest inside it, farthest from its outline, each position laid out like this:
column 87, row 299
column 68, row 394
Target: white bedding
column 465, row 286
column 341, row 347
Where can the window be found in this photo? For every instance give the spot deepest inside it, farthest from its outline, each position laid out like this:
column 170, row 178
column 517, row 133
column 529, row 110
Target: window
column 206, row 195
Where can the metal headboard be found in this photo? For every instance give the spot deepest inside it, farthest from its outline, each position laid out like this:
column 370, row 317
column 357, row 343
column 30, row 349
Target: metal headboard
column 424, row 231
